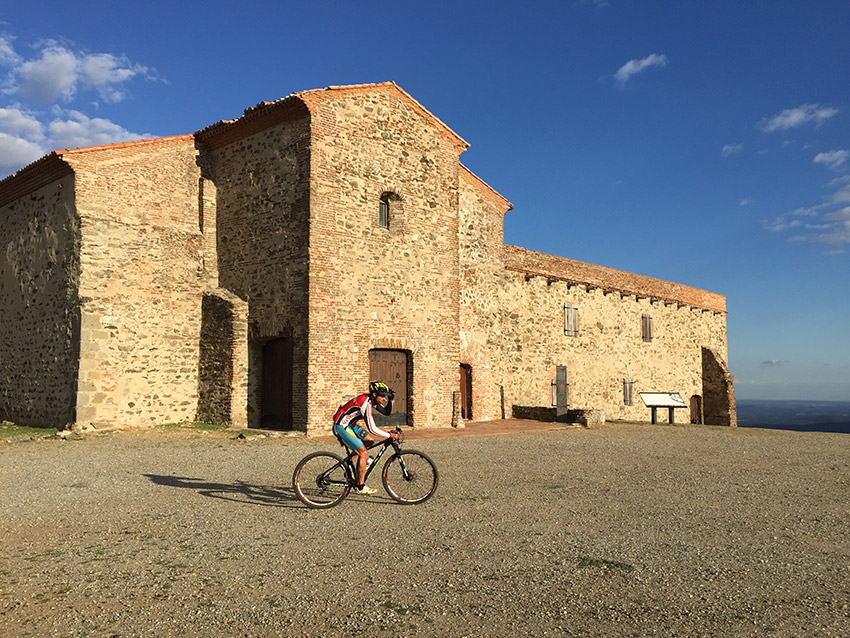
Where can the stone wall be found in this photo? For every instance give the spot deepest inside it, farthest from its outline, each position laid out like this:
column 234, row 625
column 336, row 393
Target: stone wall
column 261, row 178
column 512, row 326
column 39, row 318
column 482, row 264
column 374, row 287
column 529, row 342
column 141, row 282
column 720, row 407
column 149, row 286
column 223, row 367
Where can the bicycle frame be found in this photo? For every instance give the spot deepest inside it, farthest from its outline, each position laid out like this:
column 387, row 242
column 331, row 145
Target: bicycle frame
column 351, row 463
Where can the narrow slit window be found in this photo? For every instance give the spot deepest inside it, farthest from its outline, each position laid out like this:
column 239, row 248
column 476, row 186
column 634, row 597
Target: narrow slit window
column 390, row 213
column 384, row 213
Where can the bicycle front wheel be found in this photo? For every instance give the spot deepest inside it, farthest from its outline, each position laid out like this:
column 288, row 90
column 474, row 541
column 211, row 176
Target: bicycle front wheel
column 410, row 477
column 319, row 480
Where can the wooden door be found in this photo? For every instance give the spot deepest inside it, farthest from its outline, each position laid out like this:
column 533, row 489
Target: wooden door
column 391, row 367
column 696, row 409
column 276, row 391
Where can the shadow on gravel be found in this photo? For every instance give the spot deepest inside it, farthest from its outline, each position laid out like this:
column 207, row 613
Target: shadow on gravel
column 238, row 492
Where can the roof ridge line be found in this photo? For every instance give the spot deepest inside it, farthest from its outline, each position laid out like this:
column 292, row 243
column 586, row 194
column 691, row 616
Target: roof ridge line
column 125, row 144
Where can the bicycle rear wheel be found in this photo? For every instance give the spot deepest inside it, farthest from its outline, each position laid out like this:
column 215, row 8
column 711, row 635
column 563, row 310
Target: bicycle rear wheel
column 319, row 480
column 410, row 477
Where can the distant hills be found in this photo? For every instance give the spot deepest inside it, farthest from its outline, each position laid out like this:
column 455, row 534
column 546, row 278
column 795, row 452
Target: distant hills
column 802, row 416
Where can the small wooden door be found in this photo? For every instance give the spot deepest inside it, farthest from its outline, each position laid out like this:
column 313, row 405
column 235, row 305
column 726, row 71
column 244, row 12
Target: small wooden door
column 696, row 409
column 465, row 391
column 276, row 391
column 391, row 367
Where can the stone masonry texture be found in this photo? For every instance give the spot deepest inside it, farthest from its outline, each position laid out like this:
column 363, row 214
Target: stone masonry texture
column 155, row 281
column 39, row 307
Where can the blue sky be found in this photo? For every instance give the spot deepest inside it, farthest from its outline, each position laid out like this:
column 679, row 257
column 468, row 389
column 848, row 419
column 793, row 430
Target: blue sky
column 706, row 143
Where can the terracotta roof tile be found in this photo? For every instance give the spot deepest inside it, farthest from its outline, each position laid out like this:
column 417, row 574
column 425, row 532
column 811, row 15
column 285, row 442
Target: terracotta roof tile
column 129, row 144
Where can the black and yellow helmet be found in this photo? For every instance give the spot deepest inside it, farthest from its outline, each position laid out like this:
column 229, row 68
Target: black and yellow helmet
column 379, row 389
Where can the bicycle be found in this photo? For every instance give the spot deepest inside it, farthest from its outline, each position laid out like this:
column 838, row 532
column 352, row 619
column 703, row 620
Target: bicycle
column 324, row 479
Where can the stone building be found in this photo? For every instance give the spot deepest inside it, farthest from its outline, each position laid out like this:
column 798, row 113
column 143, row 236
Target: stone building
column 262, row 270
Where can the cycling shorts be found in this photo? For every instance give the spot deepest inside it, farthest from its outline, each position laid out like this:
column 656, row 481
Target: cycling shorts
column 348, row 436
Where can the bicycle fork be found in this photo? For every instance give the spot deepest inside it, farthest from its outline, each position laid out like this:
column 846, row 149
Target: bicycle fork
column 408, row 476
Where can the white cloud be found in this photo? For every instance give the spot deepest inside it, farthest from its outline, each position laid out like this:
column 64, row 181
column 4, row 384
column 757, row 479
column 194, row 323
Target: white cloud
column 75, row 130
column 51, row 77
column 779, row 224
column 842, row 216
column 21, row 124
column 59, row 74
column 16, row 152
column 833, row 159
column 56, row 73
column 838, row 181
column 732, row 149
column 773, row 363
column 24, row 138
column 841, row 197
column 107, row 73
column 745, row 202
column 792, row 118
column 8, row 57
column 806, row 212
column 831, row 229
column 839, row 234
column 633, row 67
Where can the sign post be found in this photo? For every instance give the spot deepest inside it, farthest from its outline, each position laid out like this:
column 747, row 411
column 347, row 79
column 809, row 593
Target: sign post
column 669, row 400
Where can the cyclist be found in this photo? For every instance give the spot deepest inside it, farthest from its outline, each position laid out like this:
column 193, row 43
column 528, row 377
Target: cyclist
column 346, row 427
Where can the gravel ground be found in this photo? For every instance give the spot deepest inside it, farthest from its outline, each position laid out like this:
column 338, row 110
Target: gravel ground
column 624, row 530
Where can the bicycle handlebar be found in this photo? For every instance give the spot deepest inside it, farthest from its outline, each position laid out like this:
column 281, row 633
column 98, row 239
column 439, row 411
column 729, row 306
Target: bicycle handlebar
column 388, row 440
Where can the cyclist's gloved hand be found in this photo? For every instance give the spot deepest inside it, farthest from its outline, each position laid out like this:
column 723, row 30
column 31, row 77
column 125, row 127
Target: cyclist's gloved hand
column 394, row 435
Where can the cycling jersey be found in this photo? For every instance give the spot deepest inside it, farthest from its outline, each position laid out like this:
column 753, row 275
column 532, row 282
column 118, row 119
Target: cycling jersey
column 359, row 408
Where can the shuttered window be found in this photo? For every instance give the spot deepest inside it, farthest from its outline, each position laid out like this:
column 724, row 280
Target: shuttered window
column 628, row 392
column 570, row 320
column 646, row 327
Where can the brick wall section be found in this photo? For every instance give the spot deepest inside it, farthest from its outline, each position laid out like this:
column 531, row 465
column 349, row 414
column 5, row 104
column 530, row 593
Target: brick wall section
column 373, row 287
column 261, row 181
column 141, row 282
column 39, row 318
